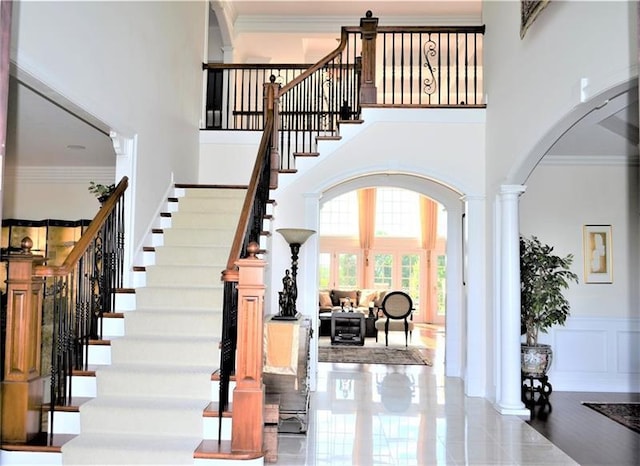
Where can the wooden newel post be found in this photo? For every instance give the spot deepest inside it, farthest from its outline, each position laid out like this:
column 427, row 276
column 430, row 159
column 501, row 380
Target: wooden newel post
column 369, row 30
column 248, row 395
column 22, row 387
column 271, row 93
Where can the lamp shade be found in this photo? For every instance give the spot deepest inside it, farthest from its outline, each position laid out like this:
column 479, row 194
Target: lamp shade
column 295, row 235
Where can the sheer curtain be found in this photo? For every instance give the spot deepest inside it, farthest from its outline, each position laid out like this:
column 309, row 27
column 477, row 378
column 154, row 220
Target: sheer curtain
column 366, row 223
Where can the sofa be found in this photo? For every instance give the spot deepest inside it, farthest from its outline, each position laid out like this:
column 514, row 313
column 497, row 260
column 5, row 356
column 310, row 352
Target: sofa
column 356, row 300
column 336, row 300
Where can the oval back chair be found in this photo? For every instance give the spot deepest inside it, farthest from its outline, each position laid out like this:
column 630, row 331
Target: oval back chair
column 397, row 308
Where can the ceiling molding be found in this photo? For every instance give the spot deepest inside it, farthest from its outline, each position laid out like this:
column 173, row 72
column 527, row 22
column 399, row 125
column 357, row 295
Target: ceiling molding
column 610, row 160
column 60, row 174
column 332, row 24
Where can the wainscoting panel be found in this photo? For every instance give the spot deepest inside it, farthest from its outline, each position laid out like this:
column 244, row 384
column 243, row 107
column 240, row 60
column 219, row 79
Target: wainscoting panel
column 590, row 345
column 628, row 352
column 595, row 354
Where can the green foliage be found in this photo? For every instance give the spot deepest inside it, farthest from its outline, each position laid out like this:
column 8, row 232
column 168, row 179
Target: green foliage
column 543, row 278
column 101, row 190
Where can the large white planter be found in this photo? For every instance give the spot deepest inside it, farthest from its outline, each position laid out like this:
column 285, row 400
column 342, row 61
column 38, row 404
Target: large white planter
column 536, row 360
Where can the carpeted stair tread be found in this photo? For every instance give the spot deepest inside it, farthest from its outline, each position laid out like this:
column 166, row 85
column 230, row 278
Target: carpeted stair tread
column 203, row 219
column 151, row 402
column 178, row 297
column 183, row 275
column 174, row 322
column 213, row 256
column 210, row 204
column 129, row 449
column 166, row 350
column 180, row 417
column 176, row 236
column 143, row 381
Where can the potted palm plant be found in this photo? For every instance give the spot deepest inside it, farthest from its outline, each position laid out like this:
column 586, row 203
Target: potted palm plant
column 543, row 278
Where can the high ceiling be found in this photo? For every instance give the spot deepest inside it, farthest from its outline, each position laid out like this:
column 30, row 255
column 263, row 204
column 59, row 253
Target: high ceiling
column 42, row 133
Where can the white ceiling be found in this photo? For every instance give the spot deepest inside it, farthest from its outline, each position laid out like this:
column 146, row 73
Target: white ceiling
column 42, row 133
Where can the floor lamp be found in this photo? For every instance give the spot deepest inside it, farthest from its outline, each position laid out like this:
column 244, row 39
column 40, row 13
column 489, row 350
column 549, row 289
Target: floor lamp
column 287, row 300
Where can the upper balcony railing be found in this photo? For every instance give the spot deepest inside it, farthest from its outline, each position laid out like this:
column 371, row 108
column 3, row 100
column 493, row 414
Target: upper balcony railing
column 417, row 66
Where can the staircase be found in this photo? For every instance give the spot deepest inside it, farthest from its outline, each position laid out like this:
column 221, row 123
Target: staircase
column 151, row 396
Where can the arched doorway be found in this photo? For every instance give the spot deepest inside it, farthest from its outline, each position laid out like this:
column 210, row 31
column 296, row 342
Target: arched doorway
column 450, row 200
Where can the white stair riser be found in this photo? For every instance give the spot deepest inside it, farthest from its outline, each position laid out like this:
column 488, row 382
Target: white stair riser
column 22, row 458
column 139, row 279
column 70, row 423
column 125, row 302
column 179, row 298
column 83, row 386
column 99, row 354
column 112, row 327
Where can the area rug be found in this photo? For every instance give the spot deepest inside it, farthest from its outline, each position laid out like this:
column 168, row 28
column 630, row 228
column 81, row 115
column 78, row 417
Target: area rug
column 360, row 355
column 627, row 414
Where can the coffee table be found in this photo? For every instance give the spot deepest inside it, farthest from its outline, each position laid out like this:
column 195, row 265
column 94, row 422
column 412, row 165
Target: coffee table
column 347, row 328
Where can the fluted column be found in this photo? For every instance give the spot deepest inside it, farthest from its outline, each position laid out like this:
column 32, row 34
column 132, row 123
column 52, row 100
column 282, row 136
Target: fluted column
column 509, row 393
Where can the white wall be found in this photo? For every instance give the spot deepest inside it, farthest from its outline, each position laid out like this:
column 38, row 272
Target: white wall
column 227, row 157
column 598, row 348
column 560, row 199
column 137, row 66
column 33, row 194
column 532, row 83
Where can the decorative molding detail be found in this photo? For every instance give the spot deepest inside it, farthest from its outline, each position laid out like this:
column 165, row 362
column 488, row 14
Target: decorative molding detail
column 60, row 174
column 332, row 24
column 632, row 160
column 120, row 144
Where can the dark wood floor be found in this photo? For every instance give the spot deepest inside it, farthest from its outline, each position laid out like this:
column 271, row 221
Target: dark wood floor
column 589, row 437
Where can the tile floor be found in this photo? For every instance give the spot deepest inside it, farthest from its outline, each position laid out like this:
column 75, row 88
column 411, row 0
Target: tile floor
column 371, row 414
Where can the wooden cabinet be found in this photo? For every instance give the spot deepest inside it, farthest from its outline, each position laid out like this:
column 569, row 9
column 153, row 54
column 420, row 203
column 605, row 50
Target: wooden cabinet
column 293, row 390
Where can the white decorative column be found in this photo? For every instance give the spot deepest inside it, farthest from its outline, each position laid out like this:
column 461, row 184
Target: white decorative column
column 125, row 148
column 509, row 394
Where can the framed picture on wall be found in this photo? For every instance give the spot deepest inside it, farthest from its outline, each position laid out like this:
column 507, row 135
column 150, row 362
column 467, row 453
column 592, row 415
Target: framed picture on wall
column 598, row 255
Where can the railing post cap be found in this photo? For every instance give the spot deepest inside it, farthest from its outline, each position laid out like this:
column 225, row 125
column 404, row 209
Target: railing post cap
column 26, row 244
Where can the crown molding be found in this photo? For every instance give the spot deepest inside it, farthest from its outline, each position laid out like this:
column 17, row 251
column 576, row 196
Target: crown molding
column 627, row 160
column 60, row 174
column 332, row 24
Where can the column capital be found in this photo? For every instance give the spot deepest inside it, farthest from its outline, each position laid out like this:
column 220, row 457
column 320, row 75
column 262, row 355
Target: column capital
column 512, row 189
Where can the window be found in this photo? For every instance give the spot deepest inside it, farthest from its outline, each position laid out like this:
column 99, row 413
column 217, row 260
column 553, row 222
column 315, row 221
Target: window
column 347, row 270
column 339, row 216
column 397, row 213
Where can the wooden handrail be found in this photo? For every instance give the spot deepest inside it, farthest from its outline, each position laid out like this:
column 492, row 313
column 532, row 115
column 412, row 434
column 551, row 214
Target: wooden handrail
column 243, row 222
column 87, row 237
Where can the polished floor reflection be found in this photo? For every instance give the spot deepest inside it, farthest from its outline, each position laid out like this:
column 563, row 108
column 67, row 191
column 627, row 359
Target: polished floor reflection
column 371, row 414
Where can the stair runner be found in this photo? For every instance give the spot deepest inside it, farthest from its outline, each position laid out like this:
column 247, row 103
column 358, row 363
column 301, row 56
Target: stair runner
column 150, row 400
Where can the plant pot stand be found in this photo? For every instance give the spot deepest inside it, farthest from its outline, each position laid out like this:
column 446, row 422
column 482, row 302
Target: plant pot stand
column 536, row 390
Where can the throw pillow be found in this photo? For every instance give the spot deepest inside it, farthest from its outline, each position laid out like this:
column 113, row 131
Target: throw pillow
column 325, row 299
column 366, row 297
column 338, row 295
